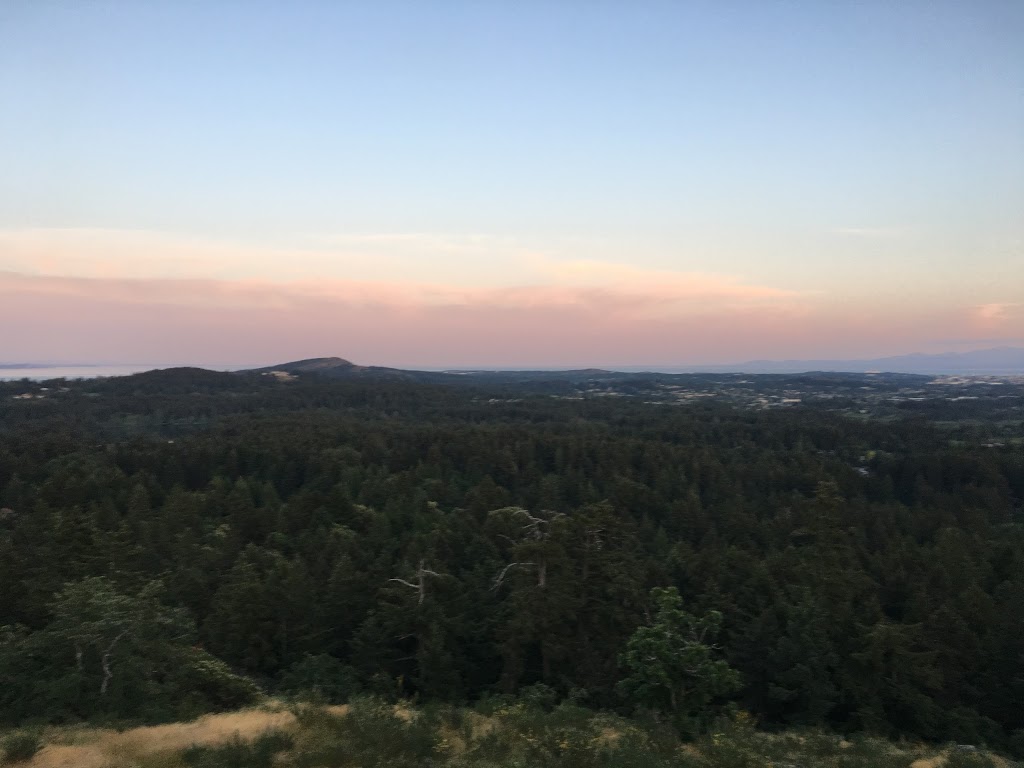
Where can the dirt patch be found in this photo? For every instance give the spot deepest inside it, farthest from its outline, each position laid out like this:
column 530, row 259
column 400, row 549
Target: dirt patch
column 690, row 750
column 403, row 712
column 68, row 757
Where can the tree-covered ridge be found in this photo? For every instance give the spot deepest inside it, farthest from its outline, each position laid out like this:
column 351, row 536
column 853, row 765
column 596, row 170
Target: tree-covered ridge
column 449, row 542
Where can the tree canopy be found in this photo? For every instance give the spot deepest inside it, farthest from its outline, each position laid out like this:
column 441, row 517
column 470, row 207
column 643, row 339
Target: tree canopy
column 184, row 541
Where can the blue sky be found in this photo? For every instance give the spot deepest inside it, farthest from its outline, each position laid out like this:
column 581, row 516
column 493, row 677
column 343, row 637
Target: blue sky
column 862, row 154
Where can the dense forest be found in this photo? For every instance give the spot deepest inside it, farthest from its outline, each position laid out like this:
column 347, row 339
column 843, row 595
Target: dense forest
column 176, row 542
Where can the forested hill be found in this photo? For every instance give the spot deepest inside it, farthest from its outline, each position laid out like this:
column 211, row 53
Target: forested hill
column 171, row 540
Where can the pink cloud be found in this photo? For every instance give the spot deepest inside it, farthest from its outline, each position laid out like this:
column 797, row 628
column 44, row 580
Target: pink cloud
column 209, row 321
column 684, row 293
column 997, row 315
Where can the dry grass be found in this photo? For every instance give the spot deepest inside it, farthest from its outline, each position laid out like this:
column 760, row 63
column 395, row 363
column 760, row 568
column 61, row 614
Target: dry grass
column 939, row 760
column 104, row 748
column 162, row 746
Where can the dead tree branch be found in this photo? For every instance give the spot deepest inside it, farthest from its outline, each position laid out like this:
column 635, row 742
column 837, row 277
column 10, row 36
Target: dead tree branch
column 504, row 572
column 420, row 585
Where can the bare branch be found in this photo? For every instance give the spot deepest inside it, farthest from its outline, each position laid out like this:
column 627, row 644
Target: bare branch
column 506, row 511
column 105, row 662
column 420, row 585
column 532, row 518
column 504, row 571
column 533, row 523
column 407, row 583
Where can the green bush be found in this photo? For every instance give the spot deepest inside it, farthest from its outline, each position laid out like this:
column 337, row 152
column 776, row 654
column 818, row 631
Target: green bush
column 211, row 681
column 376, row 734
column 569, row 736
column 370, row 735
column 21, row 746
column 635, row 750
column 538, row 696
column 238, row 753
column 960, row 757
column 320, row 678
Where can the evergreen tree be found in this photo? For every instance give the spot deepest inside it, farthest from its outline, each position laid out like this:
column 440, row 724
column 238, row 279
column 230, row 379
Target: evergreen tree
column 672, row 661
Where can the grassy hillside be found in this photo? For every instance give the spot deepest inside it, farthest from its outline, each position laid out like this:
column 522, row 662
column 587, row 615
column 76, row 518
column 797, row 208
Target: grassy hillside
column 371, row 733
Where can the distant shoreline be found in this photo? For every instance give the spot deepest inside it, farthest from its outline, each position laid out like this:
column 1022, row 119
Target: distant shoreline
column 42, row 372
column 999, row 361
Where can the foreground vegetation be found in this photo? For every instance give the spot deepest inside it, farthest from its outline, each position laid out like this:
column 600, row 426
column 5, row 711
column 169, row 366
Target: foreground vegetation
column 184, row 542
column 501, row 733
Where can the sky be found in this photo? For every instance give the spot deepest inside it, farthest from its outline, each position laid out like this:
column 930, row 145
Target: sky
column 509, row 184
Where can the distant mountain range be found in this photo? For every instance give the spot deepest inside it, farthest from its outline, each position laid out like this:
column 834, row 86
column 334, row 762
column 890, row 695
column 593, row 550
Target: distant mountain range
column 998, row 361
column 339, row 368
column 1001, row 361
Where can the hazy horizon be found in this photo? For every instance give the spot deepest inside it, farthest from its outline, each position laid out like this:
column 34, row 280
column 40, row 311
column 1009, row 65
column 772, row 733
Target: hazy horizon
column 521, row 185
column 996, row 363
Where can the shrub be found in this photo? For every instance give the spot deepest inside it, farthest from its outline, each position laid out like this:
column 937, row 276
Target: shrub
column 21, row 746
column 538, row 696
column 960, row 757
column 210, row 680
column 238, row 753
column 320, row 678
column 371, row 734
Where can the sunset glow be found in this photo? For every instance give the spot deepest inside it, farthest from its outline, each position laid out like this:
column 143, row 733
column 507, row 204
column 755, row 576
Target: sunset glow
column 566, row 185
